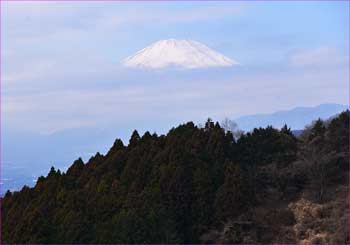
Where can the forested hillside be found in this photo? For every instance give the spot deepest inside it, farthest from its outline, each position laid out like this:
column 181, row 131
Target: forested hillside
column 195, row 185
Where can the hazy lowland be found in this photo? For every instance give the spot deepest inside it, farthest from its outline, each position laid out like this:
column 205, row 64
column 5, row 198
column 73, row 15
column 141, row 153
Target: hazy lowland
column 195, row 185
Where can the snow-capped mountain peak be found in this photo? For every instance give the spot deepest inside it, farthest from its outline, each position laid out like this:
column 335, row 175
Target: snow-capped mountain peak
column 185, row 54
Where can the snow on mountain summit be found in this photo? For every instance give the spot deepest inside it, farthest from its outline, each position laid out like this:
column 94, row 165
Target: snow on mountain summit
column 186, row 54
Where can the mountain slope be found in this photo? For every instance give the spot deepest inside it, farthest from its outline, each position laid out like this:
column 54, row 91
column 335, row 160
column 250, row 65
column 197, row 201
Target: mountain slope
column 186, row 54
column 178, row 187
column 296, row 118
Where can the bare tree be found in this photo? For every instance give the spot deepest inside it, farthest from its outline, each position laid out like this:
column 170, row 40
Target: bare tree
column 318, row 160
column 230, row 125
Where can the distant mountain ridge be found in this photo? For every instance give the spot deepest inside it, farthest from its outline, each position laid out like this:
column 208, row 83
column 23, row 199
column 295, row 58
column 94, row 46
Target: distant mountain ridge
column 26, row 155
column 296, row 118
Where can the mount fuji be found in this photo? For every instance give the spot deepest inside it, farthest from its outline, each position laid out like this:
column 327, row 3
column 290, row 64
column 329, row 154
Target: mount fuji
column 186, row 54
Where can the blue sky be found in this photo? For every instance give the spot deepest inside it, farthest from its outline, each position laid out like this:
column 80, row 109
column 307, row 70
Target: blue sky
column 65, row 95
column 61, row 61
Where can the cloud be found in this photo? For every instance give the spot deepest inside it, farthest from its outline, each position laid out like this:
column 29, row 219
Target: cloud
column 31, row 9
column 163, row 97
column 30, row 71
column 60, row 66
column 165, row 14
column 39, row 19
column 54, row 111
column 44, row 39
column 323, row 56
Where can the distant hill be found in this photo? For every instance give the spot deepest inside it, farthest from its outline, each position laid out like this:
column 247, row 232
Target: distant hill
column 297, row 132
column 193, row 185
column 27, row 155
column 296, row 118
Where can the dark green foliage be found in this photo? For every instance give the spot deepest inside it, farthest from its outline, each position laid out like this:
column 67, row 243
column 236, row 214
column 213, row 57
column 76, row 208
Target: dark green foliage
column 233, row 197
column 167, row 189
column 325, row 152
column 267, row 145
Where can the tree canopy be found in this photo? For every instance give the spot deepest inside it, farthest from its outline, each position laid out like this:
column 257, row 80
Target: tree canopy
column 172, row 188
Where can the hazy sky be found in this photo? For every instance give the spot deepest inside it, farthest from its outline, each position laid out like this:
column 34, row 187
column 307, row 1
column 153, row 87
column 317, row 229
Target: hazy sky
column 60, row 61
